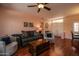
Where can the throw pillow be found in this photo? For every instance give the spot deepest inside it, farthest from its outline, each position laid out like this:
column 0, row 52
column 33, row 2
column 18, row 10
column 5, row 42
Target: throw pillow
column 6, row 40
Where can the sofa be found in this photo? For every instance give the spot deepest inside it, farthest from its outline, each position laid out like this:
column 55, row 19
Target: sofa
column 8, row 48
column 26, row 37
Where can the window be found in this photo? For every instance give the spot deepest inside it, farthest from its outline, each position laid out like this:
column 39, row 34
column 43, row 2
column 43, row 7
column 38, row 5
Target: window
column 58, row 21
column 76, row 27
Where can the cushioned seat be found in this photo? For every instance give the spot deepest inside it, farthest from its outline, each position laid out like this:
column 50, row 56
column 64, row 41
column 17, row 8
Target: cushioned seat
column 26, row 37
column 8, row 49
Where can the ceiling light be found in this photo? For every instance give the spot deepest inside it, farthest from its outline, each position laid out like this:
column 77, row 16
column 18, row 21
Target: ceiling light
column 40, row 6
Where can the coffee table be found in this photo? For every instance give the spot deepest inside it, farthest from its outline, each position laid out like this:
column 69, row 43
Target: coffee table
column 38, row 46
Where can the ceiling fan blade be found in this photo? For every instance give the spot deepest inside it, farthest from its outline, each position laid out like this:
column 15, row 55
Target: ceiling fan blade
column 32, row 5
column 38, row 3
column 38, row 10
column 45, row 3
column 47, row 8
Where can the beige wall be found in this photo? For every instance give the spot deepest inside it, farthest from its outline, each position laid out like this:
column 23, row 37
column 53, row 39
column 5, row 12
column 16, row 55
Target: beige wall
column 12, row 22
column 68, row 24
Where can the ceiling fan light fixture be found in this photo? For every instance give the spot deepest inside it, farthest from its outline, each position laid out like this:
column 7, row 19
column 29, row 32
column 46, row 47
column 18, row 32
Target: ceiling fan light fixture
column 40, row 6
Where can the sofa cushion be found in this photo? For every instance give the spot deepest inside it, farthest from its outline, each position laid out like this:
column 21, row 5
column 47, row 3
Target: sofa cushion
column 6, row 40
column 30, row 33
column 25, row 34
column 36, row 33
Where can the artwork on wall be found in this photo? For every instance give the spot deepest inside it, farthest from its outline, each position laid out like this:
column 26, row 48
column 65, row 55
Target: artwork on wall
column 28, row 24
column 25, row 24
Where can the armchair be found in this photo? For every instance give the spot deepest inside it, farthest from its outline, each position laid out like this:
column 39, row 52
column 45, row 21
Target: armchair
column 9, row 49
column 49, row 36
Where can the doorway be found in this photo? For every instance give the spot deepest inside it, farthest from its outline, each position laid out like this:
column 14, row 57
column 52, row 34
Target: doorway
column 57, row 28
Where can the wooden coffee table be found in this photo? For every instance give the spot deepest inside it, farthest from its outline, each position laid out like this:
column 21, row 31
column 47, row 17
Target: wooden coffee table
column 38, row 46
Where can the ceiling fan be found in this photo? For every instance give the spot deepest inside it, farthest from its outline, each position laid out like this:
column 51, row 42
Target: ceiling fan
column 40, row 6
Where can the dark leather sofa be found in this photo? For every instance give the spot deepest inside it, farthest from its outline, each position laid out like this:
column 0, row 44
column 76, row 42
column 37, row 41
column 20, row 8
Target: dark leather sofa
column 26, row 37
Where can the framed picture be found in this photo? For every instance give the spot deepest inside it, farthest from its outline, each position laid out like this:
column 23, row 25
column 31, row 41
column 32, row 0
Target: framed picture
column 25, row 24
column 30, row 24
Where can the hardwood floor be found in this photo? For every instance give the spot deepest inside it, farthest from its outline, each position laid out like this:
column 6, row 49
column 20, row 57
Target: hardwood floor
column 62, row 47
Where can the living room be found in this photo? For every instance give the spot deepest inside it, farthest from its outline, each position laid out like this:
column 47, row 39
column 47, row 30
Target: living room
column 46, row 31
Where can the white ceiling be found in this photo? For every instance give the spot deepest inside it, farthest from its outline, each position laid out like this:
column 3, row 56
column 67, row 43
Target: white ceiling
column 57, row 9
